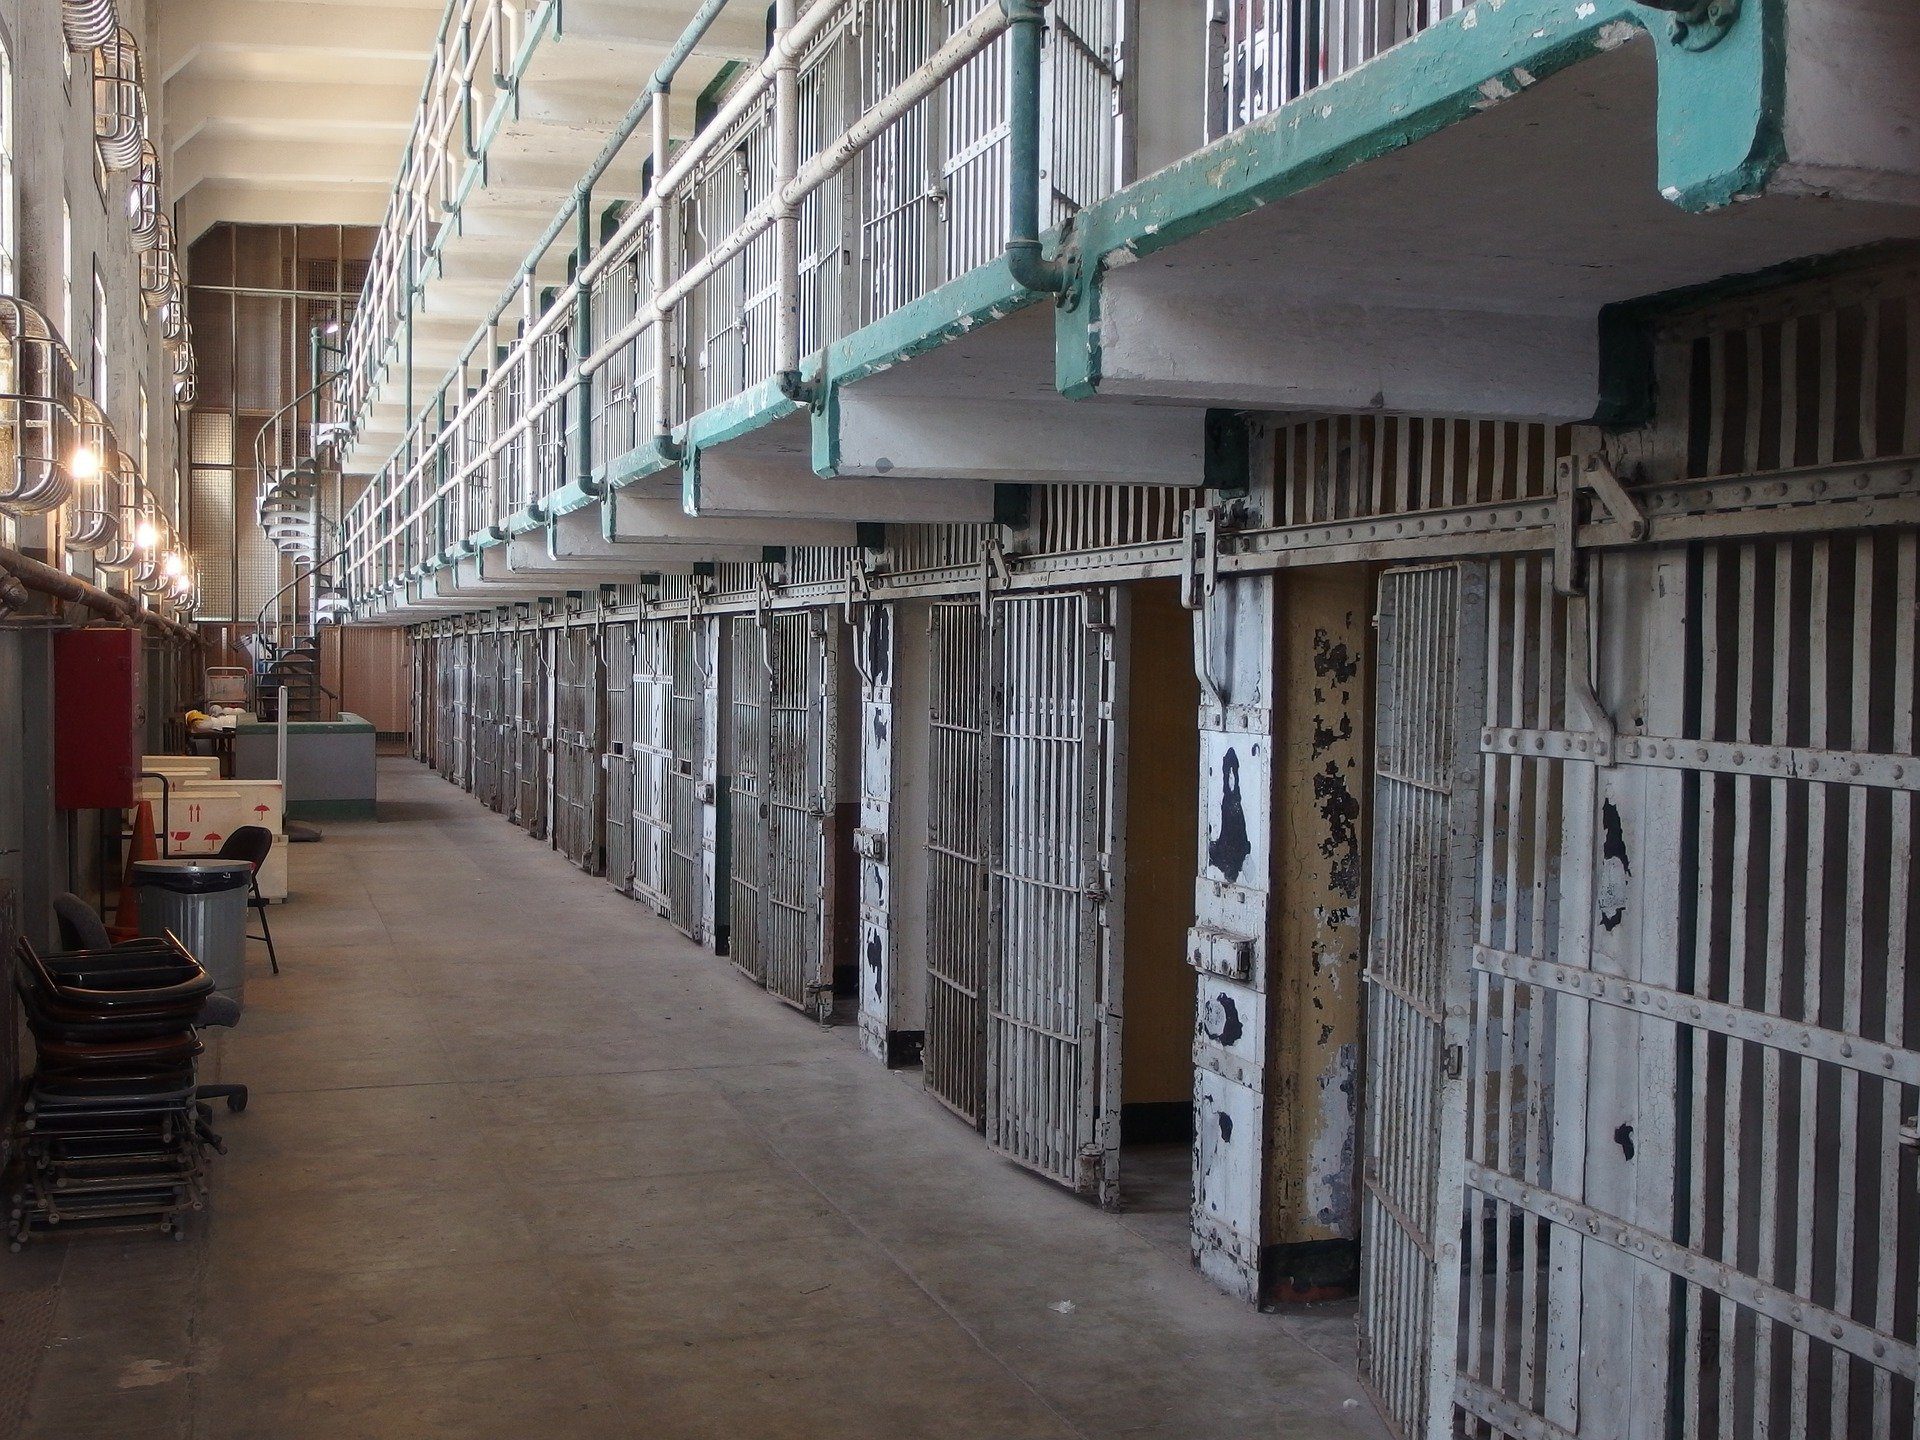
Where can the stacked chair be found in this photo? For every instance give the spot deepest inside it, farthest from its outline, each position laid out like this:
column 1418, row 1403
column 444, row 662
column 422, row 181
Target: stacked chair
column 115, row 1134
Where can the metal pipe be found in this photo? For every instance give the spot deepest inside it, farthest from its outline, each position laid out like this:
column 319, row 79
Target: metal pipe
column 666, row 228
column 46, row 580
column 786, row 214
column 582, row 338
column 1024, row 260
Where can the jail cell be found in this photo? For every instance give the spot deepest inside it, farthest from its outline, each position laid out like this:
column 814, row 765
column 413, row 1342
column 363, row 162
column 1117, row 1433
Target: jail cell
column 616, row 753
column 420, row 701
column 531, row 650
column 651, row 752
column 576, row 747
column 1051, row 1081
column 785, row 759
column 691, row 784
column 451, row 722
column 749, row 687
column 484, row 731
column 954, row 1051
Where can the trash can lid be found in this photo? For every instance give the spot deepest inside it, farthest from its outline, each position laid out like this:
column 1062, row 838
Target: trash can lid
column 193, row 877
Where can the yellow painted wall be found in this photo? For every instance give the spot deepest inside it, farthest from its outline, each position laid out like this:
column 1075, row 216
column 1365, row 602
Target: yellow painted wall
column 1163, row 784
column 1323, row 750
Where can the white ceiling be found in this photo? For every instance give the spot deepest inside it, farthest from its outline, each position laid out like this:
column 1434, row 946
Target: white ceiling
column 287, row 110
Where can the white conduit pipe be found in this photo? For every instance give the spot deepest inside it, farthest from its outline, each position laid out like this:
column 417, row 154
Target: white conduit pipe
column 786, row 212
column 666, row 227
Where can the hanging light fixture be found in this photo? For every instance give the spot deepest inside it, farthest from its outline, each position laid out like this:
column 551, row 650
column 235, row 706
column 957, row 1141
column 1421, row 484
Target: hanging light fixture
column 37, row 429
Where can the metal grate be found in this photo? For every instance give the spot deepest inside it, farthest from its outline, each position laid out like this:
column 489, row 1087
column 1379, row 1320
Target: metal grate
column 484, row 720
column 1051, row 755
column 954, row 1050
column 651, row 753
column 210, row 522
column 801, row 654
column 693, row 676
column 1814, row 375
column 576, row 747
column 1345, row 467
column 1429, row 687
column 1091, row 517
column 532, row 652
column 750, row 684
column 616, row 755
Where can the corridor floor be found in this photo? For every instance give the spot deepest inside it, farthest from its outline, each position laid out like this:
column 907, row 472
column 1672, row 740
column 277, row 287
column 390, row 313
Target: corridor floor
column 522, row 1162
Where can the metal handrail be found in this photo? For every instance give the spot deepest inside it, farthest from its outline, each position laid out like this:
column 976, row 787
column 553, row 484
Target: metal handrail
column 406, row 506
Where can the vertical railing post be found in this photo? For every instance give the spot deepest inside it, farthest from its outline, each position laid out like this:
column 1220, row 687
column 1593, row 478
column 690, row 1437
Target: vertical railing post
column 583, row 340
column 786, row 224
column 1024, row 260
column 666, row 228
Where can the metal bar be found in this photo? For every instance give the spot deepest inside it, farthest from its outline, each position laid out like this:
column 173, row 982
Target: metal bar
column 1866, row 769
column 1776, row 1032
column 1731, row 1285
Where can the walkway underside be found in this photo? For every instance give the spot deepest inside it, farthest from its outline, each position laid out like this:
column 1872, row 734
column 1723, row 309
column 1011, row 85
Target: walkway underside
column 522, row 1161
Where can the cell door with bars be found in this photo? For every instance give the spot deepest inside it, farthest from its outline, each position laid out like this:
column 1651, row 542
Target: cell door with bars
column 1051, row 1101
column 954, row 1050
column 784, row 767
column 530, row 731
column 616, row 753
column 576, row 747
column 1430, row 686
column 452, row 724
column 1714, row 910
column 484, row 732
column 421, row 701
column 652, row 756
column 691, row 779
column 749, row 693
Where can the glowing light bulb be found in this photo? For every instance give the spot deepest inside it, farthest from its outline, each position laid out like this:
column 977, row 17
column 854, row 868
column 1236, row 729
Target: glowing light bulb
column 145, row 536
column 173, row 565
column 85, row 463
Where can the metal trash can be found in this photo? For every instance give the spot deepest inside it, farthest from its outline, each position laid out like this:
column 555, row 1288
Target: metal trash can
column 204, row 904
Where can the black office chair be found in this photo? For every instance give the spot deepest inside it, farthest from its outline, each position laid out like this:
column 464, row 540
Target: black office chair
column 81, row 928
column 252, row 843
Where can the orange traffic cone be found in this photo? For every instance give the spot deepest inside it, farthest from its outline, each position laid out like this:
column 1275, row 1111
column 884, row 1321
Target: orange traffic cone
column 126, row 915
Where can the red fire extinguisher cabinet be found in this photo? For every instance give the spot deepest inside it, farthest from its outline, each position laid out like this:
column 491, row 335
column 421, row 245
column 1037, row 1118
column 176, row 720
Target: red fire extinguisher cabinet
column 97, row 718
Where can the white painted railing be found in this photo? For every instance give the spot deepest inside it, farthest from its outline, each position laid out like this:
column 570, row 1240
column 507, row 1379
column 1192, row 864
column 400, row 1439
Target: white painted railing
column 478, row 54
column 727, row 273
column 1264, row 53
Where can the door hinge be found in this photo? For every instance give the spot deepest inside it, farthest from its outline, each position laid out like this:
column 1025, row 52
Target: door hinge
column 1453, row 1060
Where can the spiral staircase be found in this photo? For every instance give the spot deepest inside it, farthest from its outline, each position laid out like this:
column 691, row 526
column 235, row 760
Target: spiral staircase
column 293, row 507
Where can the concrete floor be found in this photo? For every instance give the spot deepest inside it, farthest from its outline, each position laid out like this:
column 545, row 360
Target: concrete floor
column 522, row 1162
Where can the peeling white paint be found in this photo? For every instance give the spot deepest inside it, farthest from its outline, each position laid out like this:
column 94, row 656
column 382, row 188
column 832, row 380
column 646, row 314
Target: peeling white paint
column 1612, row 37
column 1583, row 12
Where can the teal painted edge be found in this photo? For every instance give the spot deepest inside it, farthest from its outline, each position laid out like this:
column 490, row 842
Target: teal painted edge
column 1719, row 124
column 636, row 465
column 567, row 499
column 984, row 294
